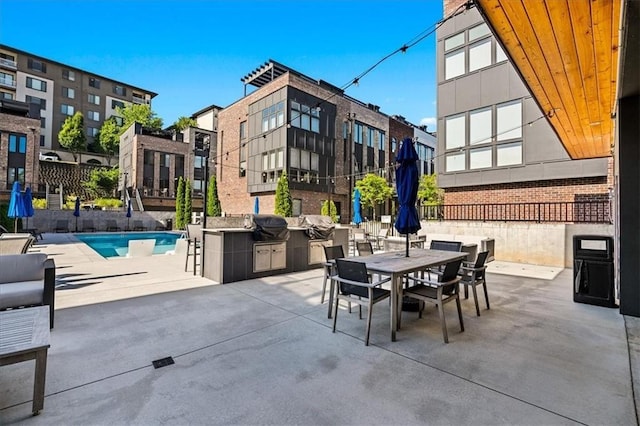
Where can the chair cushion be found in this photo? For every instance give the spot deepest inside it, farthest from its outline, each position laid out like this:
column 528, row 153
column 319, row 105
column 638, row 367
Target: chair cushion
column 22, row 267
column 24, row 293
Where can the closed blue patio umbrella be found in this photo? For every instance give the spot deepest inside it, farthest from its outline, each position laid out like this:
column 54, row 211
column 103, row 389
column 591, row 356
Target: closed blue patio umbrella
column 76, row 211
column 128, row 213
column 357, row 217
column 407, row 183
column 256, row 206
column 27, row 200
column 16, row 206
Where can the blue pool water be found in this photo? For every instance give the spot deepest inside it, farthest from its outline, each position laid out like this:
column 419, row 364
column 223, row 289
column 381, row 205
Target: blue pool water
column 116, row 244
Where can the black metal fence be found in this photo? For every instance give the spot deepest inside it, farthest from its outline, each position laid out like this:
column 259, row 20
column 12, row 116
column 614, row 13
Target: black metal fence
column 559, row 212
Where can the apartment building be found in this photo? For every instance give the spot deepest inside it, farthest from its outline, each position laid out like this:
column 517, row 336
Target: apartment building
column 323, row 139
column 60, row 90
column 151, row 162
column 494, row 142
column 18, row 148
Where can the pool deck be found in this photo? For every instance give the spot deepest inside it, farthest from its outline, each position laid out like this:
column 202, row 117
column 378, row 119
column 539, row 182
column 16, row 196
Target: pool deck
column 262, row 352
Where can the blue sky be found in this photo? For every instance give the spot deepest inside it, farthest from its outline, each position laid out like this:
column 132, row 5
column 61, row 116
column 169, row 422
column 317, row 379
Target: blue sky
column 194, row 52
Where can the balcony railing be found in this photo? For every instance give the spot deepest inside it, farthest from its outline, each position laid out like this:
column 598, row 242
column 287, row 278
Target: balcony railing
column 138, row 100
column 7, row 82
column 8, row 63
column 558, row 212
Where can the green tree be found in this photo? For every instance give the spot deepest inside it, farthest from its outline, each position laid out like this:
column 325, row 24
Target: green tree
column 283, row 197
column 72, row 136
column 374, row 190
column 109, row 138
column 329, row 209
column 428, row 192
column 102, row 182
column 139, row 113
column 180, row 204
column 184, row 122
column 213, row 201
column 188, row 207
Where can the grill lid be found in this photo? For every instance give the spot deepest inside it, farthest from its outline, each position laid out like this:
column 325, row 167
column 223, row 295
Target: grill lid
column 267, row 227
column 318, row 227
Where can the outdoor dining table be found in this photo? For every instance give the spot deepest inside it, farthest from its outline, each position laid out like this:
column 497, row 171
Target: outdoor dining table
column 396, row 265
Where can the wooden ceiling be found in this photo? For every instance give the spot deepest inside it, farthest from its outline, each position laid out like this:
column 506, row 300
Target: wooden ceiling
column 567, row 53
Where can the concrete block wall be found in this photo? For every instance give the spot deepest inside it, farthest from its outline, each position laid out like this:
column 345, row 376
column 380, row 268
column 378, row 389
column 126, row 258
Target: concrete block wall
column 546, row 244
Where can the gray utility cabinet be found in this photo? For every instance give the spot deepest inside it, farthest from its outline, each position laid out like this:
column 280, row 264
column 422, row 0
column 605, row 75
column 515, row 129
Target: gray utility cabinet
column 316, row 251
column 269, row 256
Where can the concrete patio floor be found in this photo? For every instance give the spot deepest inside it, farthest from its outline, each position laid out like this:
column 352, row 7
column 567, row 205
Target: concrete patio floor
column 262, row 352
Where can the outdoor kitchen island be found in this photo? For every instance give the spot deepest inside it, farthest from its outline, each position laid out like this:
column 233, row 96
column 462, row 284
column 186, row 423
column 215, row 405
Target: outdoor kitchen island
column 233, row 254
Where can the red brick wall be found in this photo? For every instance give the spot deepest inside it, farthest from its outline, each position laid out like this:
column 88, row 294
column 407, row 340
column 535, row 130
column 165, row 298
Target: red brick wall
column 451, row 5
column 20, row 125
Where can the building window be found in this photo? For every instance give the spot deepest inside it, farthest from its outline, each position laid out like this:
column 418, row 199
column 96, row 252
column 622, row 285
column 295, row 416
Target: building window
column 243, row 130
column 93, row 115
column 94, row 82
column 36, row 65
column 454, row 41
column 116, row 104
column 7, row 79
column 6, row 95
column 273, row 116
column 455, row 132
column 509, row 154
column 35, row 100
column 43, row 122
column 357, row 133
column 480, row 158
column 243, row 155
column 509, row 121
column 454, row 64
column 480, row 55
column 92, row 131
column 66, row 109
column 68, row 92
column 17, row 143
column 15, row 174
column 119, row 90
column 480, row 126
column 93, row 99
column 371, row 137
column 35, row 84
column 305, row 117
column 41, row 140
column 119, row 120
column 455, row 162
column 69, row 75
column 382, row 140
column 478, row 31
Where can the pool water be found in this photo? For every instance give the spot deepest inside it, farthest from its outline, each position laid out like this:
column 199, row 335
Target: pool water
column 116, row 244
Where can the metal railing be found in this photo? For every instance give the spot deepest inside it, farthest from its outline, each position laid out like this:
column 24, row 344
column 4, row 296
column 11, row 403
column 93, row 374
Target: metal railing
column 559, row 212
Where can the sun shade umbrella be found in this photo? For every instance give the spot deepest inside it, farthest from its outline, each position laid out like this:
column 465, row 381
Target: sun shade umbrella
column 357, row 217
column 27, row 200
column 407, row 221
column 256, row 206
column 16, row 205
column 128, row 213
column 76, row 211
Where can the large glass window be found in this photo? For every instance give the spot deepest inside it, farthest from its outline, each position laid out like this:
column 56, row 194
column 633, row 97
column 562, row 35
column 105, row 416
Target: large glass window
column 455, row 162
column 17, row 143
column 509, row 121
column 69, row 75
column 480, row 126
column 116, row 104
column 35, row 100
column 305, row 117
column 119, row 90
column 36, row 65
column 454, row 41
column 94, row 82
column 93, row 99
column 480, row 55
column 357, row 133
column 273, row 116
column 35, row 84
column 93, row 115
column 66, row 109
column 454, row 64
column 478, row 31
column 480, row 158
column 509, row 154
column 455, row 132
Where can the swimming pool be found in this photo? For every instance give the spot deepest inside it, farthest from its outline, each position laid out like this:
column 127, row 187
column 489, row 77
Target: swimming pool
column 116, row 244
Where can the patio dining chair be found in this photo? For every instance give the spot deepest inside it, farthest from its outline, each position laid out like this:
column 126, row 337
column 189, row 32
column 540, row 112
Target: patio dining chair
column 364, row 248
column 446, row 289
column 378, row 239
column 472, row 274
column 330, row 253
column 354, row 287
column 194, row 241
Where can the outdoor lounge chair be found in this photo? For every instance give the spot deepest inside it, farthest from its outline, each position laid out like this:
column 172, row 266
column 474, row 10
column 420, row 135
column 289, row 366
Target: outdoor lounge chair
column 62, row 225
column 354, row 287
column 141, row 248
column 378, row 240
column 139, row 226
column 87, row 226
column 446, row 289
column 473, row 275
column 112, row 226
column 15, row 243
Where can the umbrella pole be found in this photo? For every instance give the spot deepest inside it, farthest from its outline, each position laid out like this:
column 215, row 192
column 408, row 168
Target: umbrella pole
column 15, row 225
column 407, row 246
column 76, row 223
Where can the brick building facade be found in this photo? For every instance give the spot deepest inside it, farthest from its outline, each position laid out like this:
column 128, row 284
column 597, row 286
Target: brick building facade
column 18, row 146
